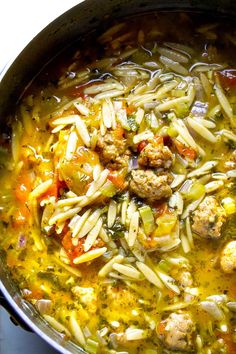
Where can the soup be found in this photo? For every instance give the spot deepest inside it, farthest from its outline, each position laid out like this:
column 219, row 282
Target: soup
column 118, row 194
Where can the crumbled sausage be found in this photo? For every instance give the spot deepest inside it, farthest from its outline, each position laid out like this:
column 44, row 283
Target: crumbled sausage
column 208, row 219
column 178, row 331
column 113, row 152
column 156, row 155
column 228, row 258
column 148, row 185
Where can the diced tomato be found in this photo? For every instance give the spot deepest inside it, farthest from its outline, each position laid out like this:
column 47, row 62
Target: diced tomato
column 118, row 133
column 142, row 145
column 230, row 344
column 160, row 209
column 23, row 188
column 67, row 241
column 161, row 328
column 54, row 189
column 116, row 179
column 61, row 185
column 185, row 150
column 227, row 78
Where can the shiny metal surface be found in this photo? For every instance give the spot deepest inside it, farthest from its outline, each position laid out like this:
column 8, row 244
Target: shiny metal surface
column 76, row 22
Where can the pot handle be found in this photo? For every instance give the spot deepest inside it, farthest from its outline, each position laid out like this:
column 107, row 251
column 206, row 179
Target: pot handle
column 14, row 317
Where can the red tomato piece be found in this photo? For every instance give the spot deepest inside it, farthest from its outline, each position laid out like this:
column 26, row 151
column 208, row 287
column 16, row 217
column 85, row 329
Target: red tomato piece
column 142, row 145
column 227, row 78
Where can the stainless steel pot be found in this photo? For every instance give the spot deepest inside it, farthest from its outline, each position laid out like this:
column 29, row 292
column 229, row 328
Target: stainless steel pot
column 76, row 22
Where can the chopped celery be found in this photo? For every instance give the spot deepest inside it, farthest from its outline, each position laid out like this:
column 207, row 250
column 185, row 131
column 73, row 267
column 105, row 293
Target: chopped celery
column 166, row 224
column 171, row 116
column 164, row 265
column 147, row 218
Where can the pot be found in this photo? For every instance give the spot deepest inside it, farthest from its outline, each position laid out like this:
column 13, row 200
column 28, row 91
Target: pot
column 78, row 21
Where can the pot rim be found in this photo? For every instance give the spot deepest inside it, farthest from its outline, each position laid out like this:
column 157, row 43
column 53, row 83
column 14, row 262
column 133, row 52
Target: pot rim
column 11, row 299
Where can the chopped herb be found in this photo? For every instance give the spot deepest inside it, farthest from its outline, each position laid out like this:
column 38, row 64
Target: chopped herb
column 117, row 231
column 120, row 197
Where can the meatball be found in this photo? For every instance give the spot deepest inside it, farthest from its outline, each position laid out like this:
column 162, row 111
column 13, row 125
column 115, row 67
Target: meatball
column 230, row 164
column 156, row 155
column 228, row 258
column 148, row 185
column 117, row 297
column 208, row 219
column 184, row 279
column 113, row 152
column 178, row 331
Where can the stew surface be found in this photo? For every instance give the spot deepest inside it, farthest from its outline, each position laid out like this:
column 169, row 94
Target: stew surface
column 118, row 189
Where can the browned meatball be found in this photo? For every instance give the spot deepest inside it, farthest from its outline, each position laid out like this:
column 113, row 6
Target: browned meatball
column 156, row 155
column 228, row 258
column 208, row 219
column 113, row 152
column 148, row 185
column 179, row 331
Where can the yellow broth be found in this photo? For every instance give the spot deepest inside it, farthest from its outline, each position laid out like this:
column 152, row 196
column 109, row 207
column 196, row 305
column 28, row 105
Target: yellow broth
column 117, row 196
